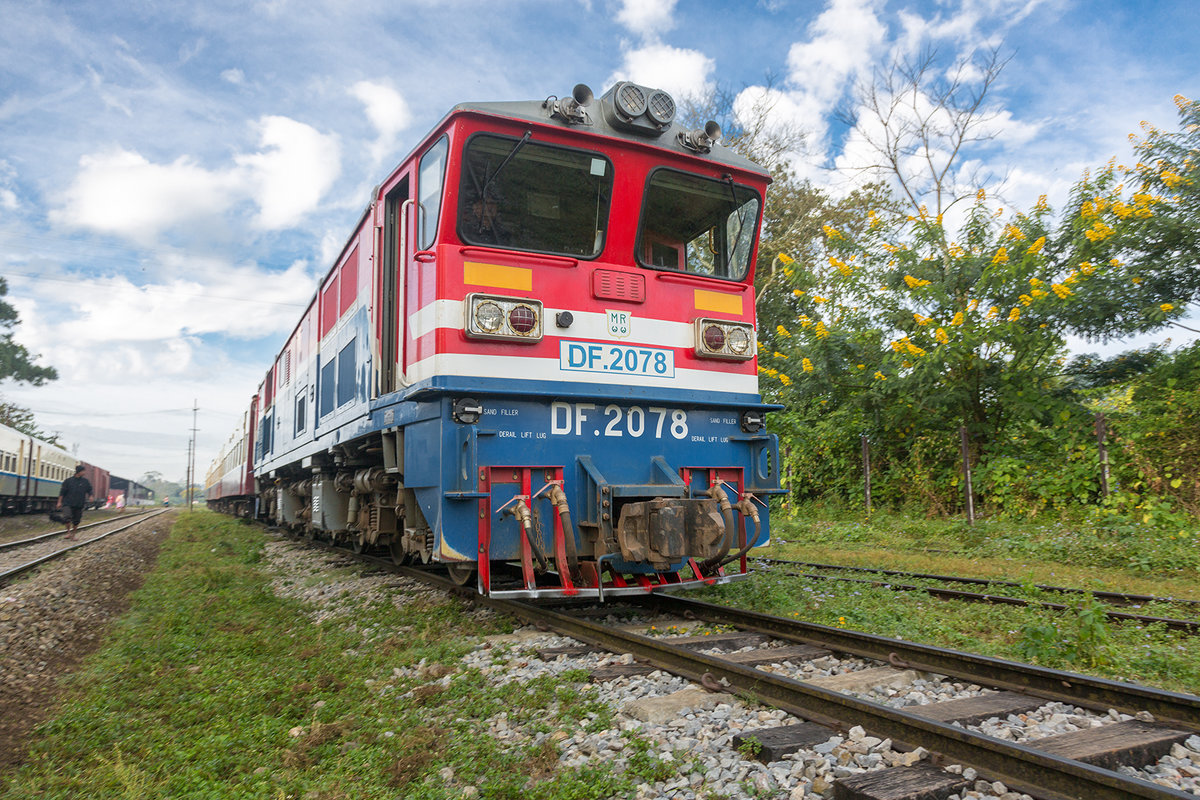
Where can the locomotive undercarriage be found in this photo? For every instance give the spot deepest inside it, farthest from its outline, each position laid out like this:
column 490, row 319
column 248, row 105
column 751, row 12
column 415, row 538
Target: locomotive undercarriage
column 355, row 497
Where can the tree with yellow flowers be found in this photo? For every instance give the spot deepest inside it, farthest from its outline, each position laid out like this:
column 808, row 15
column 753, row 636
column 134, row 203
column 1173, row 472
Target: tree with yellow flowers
column 904, row 330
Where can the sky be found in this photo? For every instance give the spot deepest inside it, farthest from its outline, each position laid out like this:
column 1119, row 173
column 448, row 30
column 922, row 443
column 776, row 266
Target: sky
column 175, row 177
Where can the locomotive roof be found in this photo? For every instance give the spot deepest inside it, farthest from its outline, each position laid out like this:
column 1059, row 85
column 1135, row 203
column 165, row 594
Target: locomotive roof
column 601, row 119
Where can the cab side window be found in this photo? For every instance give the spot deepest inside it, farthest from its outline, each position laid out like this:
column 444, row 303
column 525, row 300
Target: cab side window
column 430, row 182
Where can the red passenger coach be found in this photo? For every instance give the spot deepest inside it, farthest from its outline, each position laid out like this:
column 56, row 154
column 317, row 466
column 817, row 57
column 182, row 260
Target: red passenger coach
column 229, row 486
column 534, row 360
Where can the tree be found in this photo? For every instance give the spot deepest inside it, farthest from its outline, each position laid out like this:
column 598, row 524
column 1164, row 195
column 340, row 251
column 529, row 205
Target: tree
column 1135, row 231
column 21, row 419
column 16, row 363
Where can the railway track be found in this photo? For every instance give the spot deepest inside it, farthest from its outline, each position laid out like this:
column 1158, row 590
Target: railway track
column 17, row 557
column 1189, row 626
column 763, row 660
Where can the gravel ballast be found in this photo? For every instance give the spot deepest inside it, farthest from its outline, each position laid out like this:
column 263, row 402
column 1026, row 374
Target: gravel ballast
column 51, row 619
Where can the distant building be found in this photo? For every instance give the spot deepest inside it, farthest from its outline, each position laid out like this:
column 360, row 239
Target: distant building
column 135, row 493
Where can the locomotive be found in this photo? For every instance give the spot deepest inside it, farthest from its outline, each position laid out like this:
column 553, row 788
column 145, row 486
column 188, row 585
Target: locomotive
column 533, row 361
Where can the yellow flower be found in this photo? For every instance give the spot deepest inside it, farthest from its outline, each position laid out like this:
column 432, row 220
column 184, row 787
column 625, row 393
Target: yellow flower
column 782, row 331
column 820, row 330
column 1038, row 293
column 974, row 304
column 1014, row 315
column 785, row 259
column 914, row 283
column 785, row 380
column 1171, row 179
column 941, row 335
column 1099, row 232
column 1035, row 282
column 797, row 293
column 1001, row 256
column 862, row 366
column 1135, row 281
column 921, row 320
column 818, row 299
column 1013, row 232
column 1062, row 291
column 981, row 195
column 1037, row 246
column 1086, row 268
column 806, row 364
column 958, row 318
column 832, row 233
column 1025, row 299
column 879, row 376
column 992, row 312
column 1165, row 307
column 778, row 354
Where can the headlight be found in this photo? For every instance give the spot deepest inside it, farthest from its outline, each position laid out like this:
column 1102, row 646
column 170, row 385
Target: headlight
column 515, row 319
column 489, row 316
column 718, row 338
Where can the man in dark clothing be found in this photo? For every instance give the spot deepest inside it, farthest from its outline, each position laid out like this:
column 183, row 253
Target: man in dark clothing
column 74, row 495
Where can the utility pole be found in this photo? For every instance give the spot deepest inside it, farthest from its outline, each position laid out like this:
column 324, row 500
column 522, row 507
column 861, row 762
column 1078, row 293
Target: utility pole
column 192, row 455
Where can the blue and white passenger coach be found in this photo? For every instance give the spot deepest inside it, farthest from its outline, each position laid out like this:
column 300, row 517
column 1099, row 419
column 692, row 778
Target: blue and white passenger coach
column 534, row 361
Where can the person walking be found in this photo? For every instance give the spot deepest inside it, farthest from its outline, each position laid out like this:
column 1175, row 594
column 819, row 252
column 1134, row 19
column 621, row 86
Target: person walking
column 74, row 494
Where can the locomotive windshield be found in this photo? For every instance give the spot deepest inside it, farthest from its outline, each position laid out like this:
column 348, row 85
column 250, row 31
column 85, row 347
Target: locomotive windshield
column 698, row 225
column 522, row 195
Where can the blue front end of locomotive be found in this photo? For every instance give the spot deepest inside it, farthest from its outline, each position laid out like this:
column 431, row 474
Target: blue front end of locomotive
column 473, row 459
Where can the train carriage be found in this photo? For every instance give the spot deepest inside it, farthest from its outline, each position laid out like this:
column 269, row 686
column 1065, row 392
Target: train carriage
column 31, row 472
column 534, row 361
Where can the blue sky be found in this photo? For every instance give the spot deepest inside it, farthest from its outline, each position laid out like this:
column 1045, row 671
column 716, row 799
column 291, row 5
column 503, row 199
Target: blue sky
column 175, row 176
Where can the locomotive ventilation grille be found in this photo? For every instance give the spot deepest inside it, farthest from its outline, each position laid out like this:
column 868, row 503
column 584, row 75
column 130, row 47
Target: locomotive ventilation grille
column 612, row 285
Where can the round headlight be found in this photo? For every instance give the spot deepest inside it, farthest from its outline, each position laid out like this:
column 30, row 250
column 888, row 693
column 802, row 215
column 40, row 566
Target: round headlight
column 739, row 340
column 714, row 338
column 630, row 100
column 522, row 319
column 661, row 108
column 489, row 317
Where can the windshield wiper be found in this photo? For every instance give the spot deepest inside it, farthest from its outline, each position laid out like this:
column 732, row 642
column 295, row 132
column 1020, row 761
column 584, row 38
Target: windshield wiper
column 528, row 135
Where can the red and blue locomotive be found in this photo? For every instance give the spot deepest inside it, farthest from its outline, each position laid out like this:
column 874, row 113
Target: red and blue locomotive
column 534, row 361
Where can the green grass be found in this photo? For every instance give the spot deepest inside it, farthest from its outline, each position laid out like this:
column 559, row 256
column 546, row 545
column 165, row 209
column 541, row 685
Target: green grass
column 214, row 687
column 1058, row 553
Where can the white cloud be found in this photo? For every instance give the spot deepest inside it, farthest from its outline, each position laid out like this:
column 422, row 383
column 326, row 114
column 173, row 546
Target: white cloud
column 388, row 112
column 234, row 76
column 843, row 42
column 682, row 73
column 647, row 18
column 297, row 166
column 121, row 192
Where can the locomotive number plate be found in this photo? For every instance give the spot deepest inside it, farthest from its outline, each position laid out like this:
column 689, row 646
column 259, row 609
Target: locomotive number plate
column 654, row 362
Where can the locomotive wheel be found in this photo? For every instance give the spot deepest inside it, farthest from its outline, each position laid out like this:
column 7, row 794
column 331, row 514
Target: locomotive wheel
column 358, row 543
column 462, row 573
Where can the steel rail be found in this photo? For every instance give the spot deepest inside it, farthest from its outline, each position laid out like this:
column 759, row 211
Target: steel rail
column 40, row 537
column 1117, row 598
column 15, row 571
column 1019, row 766
column 1099, row 694
column 1188, row 626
